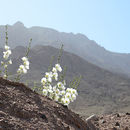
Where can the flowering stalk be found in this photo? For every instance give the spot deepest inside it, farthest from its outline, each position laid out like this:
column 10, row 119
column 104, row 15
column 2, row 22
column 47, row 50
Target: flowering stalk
column 50, row 66
column 63, row 74
column 60, row 54
column 6, row 55
column 57, row 90
column 25, row 66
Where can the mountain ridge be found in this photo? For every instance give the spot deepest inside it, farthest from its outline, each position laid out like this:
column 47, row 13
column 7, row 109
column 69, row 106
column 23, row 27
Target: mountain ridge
column 78, row 44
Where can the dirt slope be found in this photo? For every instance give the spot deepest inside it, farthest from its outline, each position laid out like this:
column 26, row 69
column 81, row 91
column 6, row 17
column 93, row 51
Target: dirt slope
column 23, row 109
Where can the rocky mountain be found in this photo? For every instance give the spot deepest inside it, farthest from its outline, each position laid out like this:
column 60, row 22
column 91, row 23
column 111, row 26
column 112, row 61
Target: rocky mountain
column 78, row 44
column 100, row 91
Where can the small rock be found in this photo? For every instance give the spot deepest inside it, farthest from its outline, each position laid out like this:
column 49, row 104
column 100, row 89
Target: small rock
column 103, row 121
column 101, row 117
column 118, row 115
column 117, row 124
column 114, row 128
column 93, row 117
column 126, row 128
column 43, row 117
column 127, row 113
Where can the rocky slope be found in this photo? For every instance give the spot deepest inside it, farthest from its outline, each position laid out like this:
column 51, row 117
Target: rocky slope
column 21, row 108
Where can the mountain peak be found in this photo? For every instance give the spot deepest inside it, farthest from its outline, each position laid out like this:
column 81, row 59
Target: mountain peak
column 19, row 24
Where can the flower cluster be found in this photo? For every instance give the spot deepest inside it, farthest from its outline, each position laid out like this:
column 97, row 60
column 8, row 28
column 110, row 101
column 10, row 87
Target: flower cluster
column 6, row 61
column 7, row 52
column 57, row 92
column 24, row 67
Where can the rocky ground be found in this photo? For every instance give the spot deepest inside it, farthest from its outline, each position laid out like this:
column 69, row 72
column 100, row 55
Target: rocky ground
column 118, row 121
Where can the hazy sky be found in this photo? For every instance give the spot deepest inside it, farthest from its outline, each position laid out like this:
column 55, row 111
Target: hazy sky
column 105, row 21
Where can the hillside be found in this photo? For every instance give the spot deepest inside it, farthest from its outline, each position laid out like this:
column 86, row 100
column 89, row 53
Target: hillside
column 21, row 108
column 100, row 91
column 78, row 44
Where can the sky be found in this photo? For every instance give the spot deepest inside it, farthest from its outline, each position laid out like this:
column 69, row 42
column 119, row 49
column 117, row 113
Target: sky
column 105, row 21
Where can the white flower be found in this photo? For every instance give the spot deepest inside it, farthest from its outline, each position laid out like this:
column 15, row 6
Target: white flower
column 55, row 75
column 43, row 80
column 45, row 92
column 7, row 54
column 24, row 59
column 54, row 88
column 68, row 95
column 27, row 67
column 63, row 92
column 22, row 69
column 47, row 75
column 10, row 62
column 2, row 63
column 56, row 97
column 65, row 101
column 19, row 71
column 74, row 91
column 68, row 90
column 5, row 66
column 26, row 63
column 49, row 79
column 58, row 67
column 50, row 91
column 5, row 76
column 60, row 85
column 54, row 70
column 7, row 47
column 73, row 97
column 49, row 87
column 57, row 92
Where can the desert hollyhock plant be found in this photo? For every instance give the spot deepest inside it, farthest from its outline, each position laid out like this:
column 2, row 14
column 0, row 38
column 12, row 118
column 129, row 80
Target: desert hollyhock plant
column 57, row 92
column 7, row 61
column 23, row 68
column 6, row 57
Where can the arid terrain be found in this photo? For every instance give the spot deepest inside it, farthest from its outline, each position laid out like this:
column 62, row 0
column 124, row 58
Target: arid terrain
column 21, row 108
column 117, row 121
